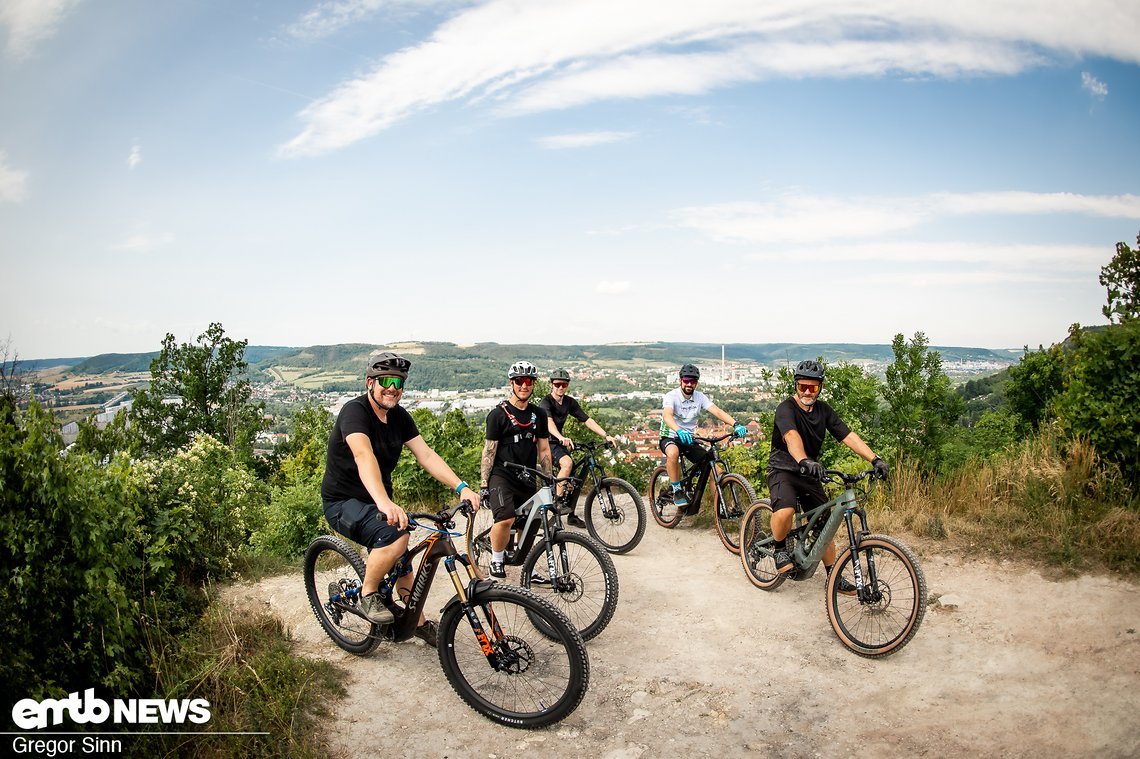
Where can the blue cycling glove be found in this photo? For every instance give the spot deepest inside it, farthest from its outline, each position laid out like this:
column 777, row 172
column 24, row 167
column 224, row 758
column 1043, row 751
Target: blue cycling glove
column 684, row 436
column 740, row 430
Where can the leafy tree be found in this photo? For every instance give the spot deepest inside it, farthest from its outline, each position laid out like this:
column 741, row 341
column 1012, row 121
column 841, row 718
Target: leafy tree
column 921, row 407
column 1034, row 383
column 1122, row 279
column 198, row 388
column 1101, row 397
column 303, row 455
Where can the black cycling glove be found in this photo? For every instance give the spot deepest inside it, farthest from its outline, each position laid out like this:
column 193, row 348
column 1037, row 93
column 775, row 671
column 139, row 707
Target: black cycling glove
column 881, row 468
column 811, row 468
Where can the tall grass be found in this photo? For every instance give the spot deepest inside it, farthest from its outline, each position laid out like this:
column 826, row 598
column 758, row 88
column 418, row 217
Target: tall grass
column 1049, row 498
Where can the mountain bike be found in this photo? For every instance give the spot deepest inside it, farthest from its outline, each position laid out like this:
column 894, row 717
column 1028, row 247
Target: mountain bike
column 614, row 511
column 510, row 655
column 732, row 493
column 567, row 568
column 890, row 599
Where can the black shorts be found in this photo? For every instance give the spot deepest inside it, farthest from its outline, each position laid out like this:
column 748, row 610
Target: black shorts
column 361, row 522
column 791, row 490
column 557, row 451
column 507, row 494
column 694, row 452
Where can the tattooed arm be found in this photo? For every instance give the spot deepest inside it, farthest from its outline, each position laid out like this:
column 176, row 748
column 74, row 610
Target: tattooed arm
column 487, row 462
column 544, row 455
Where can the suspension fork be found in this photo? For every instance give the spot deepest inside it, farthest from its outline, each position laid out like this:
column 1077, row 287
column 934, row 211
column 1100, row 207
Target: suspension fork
column 868, row 587
column 486, row 642
column 549, row 533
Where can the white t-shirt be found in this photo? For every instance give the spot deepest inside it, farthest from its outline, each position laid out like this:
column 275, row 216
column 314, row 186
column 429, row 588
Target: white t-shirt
column 685, row 410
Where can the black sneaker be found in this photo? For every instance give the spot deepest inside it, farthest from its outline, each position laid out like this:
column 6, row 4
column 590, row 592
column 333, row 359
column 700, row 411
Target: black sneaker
column 784, row 562
column 427, row 632
column 498, row 570
column 575, row 521
column 537, row 579
column 845, row 587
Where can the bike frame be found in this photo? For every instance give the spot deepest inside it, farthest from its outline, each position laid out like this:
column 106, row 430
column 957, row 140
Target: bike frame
column 589, row 466
column 537, row 511
column 700, row 471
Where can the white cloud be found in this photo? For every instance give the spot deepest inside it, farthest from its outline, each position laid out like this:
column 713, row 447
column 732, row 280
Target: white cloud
column 993, row 257
column 29, row 22
column 135, row 158
column 606, row 287
column 142, row 242
column 532, row 56
column 804, row 219
column 1095, row 87
column 582, row 139
column 13, row 182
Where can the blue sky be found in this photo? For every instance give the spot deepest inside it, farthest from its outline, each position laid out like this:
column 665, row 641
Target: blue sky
column 562, row 172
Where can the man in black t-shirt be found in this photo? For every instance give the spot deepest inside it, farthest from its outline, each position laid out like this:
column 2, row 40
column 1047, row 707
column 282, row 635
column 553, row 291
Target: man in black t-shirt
column 559, row 407
column 794, row 474
column 364, row 446
column 517, row 432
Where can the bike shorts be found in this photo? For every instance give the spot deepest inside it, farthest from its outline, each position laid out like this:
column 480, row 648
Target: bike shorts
column 361, row 522
column 557, row 451
column 792, row 490
column 694, row 452
column 506, row 495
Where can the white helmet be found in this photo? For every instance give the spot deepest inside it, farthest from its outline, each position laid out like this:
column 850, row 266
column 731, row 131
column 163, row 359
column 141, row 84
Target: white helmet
column 522, row 369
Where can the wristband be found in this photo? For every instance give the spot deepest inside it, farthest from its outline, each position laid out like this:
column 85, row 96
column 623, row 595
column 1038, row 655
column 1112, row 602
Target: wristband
column 459, row 488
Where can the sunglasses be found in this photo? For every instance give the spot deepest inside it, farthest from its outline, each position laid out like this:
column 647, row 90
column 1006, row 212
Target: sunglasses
column 524, row 381
column 689, row 381
column 391, row 382
column 807, row 387
column 560, row 384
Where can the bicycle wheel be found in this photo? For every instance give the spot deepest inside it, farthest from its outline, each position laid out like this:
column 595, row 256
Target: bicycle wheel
column 738, row 496
column 587, row 594
column 334, row 568
column 478, row 536
column 757, row 553
column 891, row 616
column 615, row 515
column 526, row 678
column 661, row 504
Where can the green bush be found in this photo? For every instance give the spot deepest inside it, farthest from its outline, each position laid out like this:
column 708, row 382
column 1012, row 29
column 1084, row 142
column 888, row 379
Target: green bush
column 292, row 519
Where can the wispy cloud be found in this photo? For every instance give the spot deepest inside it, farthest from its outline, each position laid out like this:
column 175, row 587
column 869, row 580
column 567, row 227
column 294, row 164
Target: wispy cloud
column 527, row 57
column 143, row 242
column 988, row 259
column 1093, row 86
column 13, row 182
column 606, row 287
column 29, row 22
column 330, row 16
column 582, row 139
column 135, row 158
column 803, row 219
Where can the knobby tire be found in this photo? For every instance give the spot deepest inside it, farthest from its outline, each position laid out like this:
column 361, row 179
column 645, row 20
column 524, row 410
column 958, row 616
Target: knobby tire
column 615, row 515
column 330, row 559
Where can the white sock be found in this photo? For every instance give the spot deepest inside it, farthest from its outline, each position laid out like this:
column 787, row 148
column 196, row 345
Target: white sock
column 498, row 556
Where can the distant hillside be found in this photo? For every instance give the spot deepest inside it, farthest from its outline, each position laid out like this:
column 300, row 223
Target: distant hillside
column 483, row 365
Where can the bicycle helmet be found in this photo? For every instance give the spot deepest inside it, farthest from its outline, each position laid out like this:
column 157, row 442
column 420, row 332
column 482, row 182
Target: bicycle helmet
column 522, row 369
column 689, row 370
column 809, row 370
column 560, row 374
column 386, row 364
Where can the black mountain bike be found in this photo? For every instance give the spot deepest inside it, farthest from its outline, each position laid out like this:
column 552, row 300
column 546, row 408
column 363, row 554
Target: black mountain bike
column 732, row 493
column 890, row 599
column 510, row 655
column 614, row 511
column 567, row 568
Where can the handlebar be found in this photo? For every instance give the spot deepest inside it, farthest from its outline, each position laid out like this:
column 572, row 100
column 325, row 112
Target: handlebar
column 547, row 478
column 442, row 519
column 834, row 475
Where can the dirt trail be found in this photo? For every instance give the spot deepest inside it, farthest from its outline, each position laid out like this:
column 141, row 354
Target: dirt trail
column 697, row 661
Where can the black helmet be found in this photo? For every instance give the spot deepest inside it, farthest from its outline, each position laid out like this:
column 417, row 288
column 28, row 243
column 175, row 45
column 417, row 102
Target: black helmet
column 522, row 369
column 560, row 374
column 689, row 370
column 809, row 370
column 385, row 364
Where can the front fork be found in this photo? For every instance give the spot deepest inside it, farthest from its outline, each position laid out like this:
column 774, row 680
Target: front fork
column 868, row 589
column 487, row 642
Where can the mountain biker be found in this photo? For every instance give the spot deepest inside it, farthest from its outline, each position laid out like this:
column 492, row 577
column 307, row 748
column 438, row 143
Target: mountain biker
column 682, row 405
column 558, row 406
column 364, row 446
column 517, row 432
column 794, row 473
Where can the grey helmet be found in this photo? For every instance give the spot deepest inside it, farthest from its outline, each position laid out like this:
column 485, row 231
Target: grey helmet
column 690, row 370
column 522, row 369
column 809, row 370
column 560, row 374
column 387, row 364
